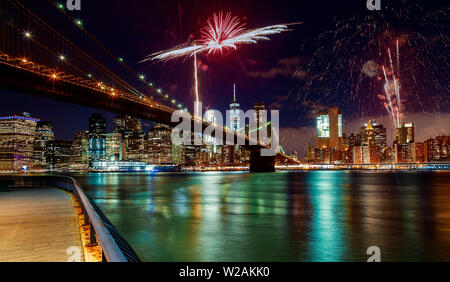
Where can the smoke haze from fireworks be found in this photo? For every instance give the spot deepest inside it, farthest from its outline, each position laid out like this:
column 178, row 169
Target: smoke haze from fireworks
column 220, row 32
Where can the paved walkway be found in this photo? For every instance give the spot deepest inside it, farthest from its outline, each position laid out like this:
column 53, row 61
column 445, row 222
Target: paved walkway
column 38, row 224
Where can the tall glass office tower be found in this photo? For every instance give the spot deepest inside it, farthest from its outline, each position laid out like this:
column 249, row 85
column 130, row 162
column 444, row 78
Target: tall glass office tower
column 234, row 112
column 97, row 139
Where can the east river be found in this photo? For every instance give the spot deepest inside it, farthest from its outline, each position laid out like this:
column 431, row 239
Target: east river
column 282, row 216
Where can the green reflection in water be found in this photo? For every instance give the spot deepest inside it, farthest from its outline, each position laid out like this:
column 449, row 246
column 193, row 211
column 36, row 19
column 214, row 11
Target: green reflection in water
column 326, row 238
column 282, row 216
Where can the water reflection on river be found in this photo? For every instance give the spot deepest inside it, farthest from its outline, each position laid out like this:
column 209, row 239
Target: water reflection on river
column 282, row 216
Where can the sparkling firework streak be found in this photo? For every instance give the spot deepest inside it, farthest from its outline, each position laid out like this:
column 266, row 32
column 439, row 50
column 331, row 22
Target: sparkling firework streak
column 389, row 107
column 220, row 32
column 391, row 88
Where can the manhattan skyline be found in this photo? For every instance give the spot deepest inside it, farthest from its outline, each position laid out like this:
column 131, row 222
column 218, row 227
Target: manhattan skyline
column 259, row 73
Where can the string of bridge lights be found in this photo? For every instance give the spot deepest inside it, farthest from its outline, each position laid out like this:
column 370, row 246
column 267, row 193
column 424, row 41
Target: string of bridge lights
column 121, row 60
column 28, row 35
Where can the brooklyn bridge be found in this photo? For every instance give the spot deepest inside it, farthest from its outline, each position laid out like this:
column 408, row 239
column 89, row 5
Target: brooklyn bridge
column 53, row 55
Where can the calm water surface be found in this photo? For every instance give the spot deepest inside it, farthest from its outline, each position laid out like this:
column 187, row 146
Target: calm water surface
column 282, row 216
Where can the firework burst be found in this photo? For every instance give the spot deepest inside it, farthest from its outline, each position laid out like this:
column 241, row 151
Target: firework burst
column 370, row 68
column 222, row 31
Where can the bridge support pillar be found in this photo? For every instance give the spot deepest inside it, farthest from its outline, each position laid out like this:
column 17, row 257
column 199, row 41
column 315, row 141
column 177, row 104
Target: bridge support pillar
column 260, row 163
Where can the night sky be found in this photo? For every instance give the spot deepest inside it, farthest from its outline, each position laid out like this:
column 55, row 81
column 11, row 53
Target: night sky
column 317, row 64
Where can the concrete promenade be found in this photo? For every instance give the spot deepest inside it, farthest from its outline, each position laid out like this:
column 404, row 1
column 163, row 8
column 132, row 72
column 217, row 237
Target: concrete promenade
column 38, row 225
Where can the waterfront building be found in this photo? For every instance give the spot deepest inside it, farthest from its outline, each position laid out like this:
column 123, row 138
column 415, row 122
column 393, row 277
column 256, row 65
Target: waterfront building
column 210, row 142
column 261, row 119
column 133, row 138
column 79, row 150
column 159, row 144
column 57, row 154
column 177, row 154
column 122, row 166
column 126, row 125
column 329, row 129
column 310, row 153
column 326, row 155
column 43, row 133
column 418, row 152
column 387, row 155
column 135, row 147
column 357, row 154
column 351, row 140
column 189, row 154
column 202, row 156
column 243, row 155
column 17, row 135
column 367, row 134
column 404, row 134
column 437, row 149
column 374, row 154
column 442, row 147
column 379, row 135
column 97, row 138
column 234, row 112
column 114, row 147
column 402, row 153
column 227, row 154
column 366, row 154
column 373, row 134
column 347, row 155
column 234, row 123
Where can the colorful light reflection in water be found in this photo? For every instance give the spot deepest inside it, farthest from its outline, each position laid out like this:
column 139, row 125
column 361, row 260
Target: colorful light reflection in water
column 283, row 216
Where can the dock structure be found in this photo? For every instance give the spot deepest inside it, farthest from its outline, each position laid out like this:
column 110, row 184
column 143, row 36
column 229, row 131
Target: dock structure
column 51, row 219
column 38, row 225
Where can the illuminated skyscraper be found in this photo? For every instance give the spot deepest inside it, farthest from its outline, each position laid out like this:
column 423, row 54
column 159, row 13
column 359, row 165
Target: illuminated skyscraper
column 403, row 144
column 126, row 125
column 260, row 119
column 373, row 134
column 209, row 117
column 329, row 129
column 405, row 133
column 57, row 154
column 17, row 133
column 437, row 149
column 234, row 112
column 210, row 141
column 114, row 148
column 44, row 133
column 97, row 139
column 79, row 151
column 159, row 144
column 136, row 148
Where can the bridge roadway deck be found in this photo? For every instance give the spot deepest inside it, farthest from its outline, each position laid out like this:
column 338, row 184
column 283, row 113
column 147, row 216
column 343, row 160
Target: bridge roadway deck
column 37, row 225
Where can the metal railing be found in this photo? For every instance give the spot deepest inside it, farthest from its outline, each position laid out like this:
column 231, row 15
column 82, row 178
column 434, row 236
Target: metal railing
column 102, row 232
